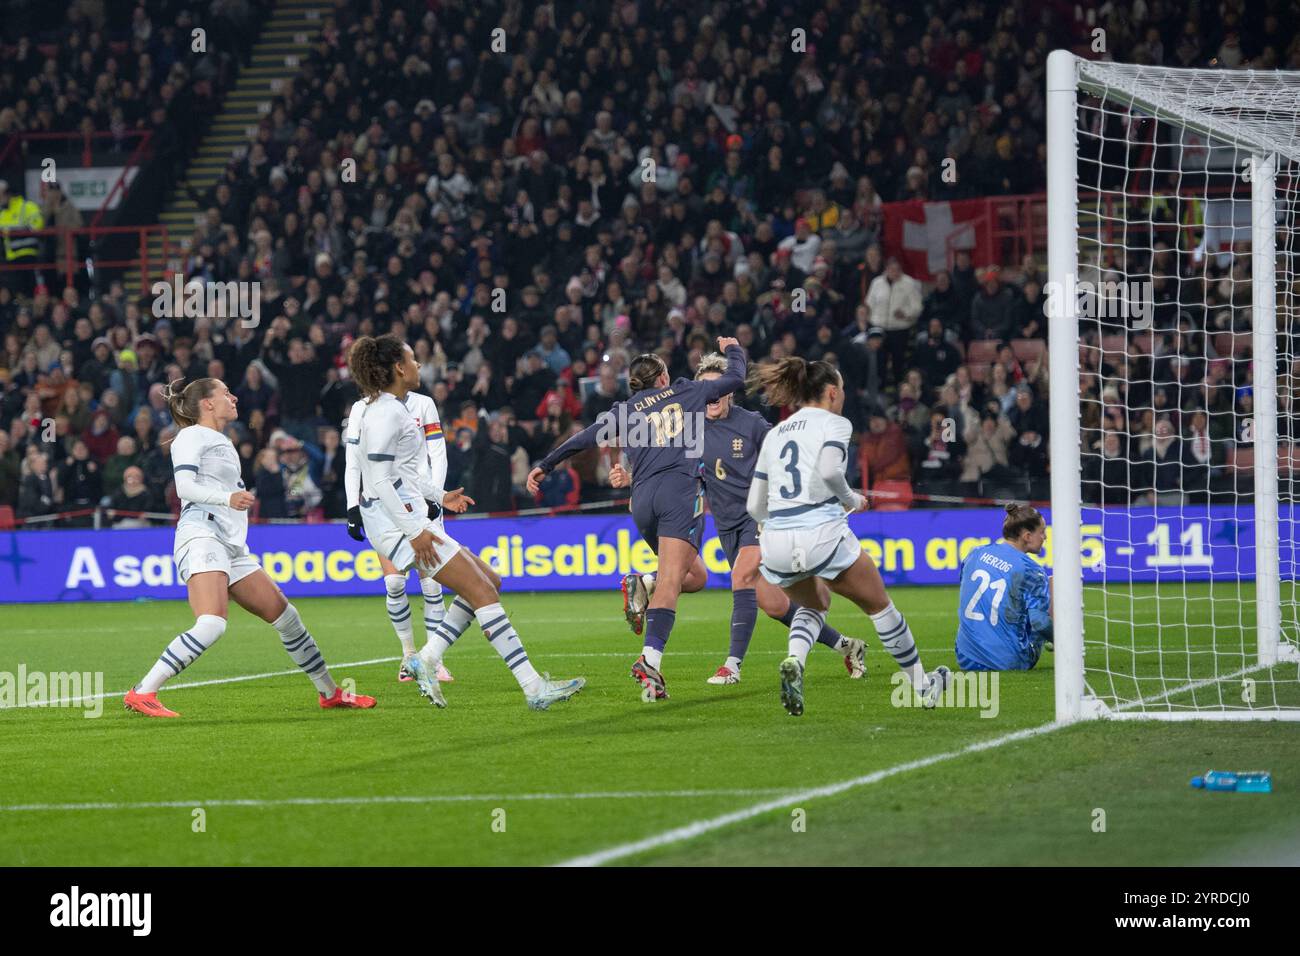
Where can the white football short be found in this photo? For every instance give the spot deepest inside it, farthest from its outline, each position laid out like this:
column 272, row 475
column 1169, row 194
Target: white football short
column 823, row 551
column 387, row 538
column 197, row 555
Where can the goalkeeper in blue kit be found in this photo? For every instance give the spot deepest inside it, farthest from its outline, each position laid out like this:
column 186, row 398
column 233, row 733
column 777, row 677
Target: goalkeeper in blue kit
column 1005, row 606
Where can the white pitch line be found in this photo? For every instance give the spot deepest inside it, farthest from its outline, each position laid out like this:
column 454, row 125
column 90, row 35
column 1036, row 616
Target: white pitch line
column 700, row 827
column 64, row 702
column 1194, row 685
column 368, row 801
column 68, row 701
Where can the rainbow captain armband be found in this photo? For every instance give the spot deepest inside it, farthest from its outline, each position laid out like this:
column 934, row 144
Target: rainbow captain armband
column 432, row 430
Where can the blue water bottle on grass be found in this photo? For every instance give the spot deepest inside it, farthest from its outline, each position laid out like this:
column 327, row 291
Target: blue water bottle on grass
column 1250, row 781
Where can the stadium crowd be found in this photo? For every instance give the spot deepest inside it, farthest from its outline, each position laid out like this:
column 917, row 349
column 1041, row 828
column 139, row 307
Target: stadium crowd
column 627, row 177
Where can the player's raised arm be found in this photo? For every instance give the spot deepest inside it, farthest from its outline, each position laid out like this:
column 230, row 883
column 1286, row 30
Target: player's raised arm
column 734, row 377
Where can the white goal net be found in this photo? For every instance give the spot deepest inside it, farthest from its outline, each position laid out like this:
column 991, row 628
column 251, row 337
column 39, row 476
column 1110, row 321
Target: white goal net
column 1173, row 200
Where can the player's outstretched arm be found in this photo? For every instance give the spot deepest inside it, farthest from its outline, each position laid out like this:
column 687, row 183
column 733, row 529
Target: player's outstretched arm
column 734, row 377
column 603, row 426
column 456, row 501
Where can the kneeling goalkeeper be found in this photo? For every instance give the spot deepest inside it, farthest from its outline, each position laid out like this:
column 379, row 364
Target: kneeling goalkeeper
column 1005, row 605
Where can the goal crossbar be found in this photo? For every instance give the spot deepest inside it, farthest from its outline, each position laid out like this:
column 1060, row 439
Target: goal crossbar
column 1195, row 103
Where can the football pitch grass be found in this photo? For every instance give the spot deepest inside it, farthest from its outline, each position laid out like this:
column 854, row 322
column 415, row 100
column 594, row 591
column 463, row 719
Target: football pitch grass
column 715, row 775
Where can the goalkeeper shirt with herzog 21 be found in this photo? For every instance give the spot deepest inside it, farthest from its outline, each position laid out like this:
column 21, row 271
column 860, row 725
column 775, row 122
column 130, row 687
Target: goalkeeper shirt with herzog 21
column 1003, row 616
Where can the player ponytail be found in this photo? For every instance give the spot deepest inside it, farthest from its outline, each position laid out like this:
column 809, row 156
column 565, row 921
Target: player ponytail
column 793, row 381
column 183, row 402
column 714, row 362
column 1020, row 518
column 645, row 371
column 372, row 360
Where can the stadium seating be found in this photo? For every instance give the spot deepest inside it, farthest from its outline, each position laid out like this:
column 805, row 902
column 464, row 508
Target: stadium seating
column 1028, row 350
column 982, row 351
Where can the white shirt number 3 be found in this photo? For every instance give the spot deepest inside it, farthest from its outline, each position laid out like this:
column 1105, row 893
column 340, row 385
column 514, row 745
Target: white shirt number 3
column 999, row 590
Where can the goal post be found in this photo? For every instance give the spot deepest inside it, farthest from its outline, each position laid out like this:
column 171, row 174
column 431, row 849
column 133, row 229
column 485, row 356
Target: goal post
column 1063, row 368
column 1263, row 290
column 1174, row 329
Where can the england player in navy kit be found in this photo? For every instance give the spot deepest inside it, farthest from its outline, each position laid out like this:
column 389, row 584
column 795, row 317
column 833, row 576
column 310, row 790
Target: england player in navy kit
column 732, row 439
column 1005, row 605
column 661, row 429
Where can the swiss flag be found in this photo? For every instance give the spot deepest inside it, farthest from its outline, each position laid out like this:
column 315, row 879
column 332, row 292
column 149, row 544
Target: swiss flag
column 926, row 235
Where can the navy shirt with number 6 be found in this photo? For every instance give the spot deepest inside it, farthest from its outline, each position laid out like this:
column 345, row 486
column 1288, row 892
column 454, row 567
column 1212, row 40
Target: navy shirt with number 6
column 731, row 447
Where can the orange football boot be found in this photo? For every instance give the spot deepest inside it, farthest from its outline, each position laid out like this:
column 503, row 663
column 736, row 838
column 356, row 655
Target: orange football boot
column 340, row 699
column 146, row 704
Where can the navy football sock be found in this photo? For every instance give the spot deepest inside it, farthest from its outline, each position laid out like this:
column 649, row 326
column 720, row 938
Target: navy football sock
column 744, row 615
column 658, row 625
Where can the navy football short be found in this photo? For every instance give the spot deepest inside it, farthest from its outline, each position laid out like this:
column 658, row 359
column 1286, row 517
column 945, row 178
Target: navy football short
column 669, row 505
column 742, row 536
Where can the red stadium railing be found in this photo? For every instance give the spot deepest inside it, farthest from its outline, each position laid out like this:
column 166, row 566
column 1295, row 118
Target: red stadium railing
column 68, row 260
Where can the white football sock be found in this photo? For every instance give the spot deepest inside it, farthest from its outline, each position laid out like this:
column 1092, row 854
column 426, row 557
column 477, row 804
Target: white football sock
column 434, row 609
column 183, row 651
column 399, row 611
column 733, row 663
column 453, row 625
column 894, row 633
column 501, row 635
column 805, row 627
column 302, row 648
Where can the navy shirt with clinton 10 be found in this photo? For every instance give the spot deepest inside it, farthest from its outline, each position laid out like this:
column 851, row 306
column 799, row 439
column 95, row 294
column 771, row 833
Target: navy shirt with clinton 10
column 665, row 479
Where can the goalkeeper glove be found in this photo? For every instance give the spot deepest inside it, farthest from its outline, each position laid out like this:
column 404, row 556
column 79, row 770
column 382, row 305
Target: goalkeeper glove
column 355, row 531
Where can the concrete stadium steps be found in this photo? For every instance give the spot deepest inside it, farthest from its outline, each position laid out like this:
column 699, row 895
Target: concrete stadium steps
column 284, row 43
